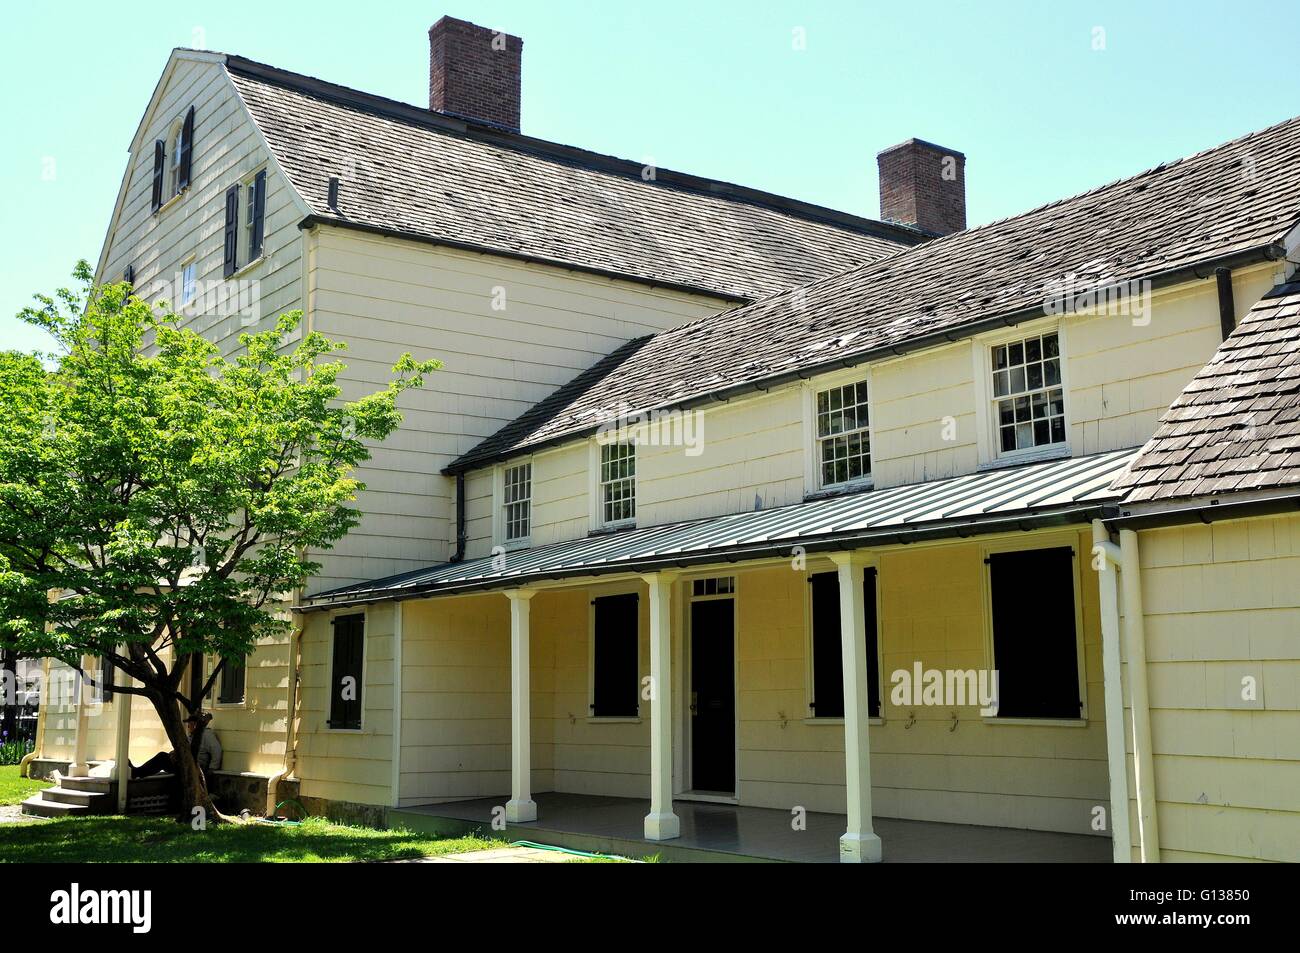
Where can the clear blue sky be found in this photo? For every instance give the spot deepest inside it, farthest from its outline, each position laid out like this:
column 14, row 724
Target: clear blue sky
column 713, row 88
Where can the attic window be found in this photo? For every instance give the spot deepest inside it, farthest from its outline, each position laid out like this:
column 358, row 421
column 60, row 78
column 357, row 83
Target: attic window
column 843, row 435
column 1029, row 401
column 517, row 496
column 617, row 483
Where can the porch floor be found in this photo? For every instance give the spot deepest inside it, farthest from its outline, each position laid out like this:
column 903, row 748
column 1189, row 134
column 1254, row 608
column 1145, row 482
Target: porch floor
column 727, row 832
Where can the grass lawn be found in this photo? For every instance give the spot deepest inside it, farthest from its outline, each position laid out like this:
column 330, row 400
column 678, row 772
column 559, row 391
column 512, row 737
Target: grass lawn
column 15, row 790
column 102, row 839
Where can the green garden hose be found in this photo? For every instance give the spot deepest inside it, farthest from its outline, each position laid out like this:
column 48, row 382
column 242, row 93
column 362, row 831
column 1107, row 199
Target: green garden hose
column 566, row 850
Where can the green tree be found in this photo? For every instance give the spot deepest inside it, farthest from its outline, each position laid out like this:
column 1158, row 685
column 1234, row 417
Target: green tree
column 158, row 499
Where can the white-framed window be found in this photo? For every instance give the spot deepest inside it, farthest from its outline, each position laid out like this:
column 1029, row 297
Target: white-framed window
column 189, row 282
column 253, row 226
column 616, row 483
column 250, row 242
column 1027, row 393
column 713, row 586
column 517, row 501
column 843, row 434
column 175, row 146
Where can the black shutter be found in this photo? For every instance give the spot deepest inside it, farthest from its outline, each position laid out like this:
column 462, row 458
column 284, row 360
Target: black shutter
column 1035, row 647
column 828, row 659
column 616, row 688
column 828, row 651
column 873, row 642
column 259, row 216
column 229, row 263
column 349, row 641
column 105, row 679
column 232, row 681
column 159, row 166
column 128, row 276
column 187, row 151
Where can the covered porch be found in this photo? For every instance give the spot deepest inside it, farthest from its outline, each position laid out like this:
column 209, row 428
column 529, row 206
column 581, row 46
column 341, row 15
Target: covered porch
column 712, row 832
column 744, row 617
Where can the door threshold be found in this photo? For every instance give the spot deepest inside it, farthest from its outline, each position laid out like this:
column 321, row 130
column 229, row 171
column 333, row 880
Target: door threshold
column 711, row 797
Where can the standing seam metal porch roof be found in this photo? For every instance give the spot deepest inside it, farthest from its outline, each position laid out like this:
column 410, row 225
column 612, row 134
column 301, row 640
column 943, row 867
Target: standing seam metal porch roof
column 1050, row 492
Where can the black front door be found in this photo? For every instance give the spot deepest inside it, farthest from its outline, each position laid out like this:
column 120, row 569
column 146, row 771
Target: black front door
column 713, row 696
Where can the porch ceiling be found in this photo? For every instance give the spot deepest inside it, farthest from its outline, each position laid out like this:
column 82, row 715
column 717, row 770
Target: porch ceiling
column 1040, row 494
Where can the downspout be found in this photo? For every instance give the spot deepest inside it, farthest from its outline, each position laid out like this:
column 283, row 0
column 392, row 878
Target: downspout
column 397, row 702
column 460, row 517
column 1135, row 644
column 1106, row 560
column 1227, row 308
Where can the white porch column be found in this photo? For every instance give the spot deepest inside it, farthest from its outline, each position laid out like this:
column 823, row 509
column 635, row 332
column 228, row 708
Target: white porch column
column 859, row 844
column 661, row 823
column 521, row 806
column 79, row 768
column 122, row 754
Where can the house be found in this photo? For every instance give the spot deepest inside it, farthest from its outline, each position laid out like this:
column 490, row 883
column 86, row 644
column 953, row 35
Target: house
column 730, row 514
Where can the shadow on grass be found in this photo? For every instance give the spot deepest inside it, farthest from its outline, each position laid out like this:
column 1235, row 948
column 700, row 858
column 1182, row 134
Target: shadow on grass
column 105, row 839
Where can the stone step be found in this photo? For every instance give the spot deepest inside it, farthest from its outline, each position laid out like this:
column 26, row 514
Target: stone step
column 38, row 806
column 98, row 802
column 89, row 785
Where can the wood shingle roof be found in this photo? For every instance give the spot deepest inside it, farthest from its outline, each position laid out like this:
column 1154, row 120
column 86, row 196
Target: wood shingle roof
column 1236, row 426
column 416, row 173
column 1230, row 204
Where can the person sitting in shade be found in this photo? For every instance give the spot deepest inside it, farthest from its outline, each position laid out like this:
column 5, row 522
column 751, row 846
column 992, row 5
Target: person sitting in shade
column 204, row 744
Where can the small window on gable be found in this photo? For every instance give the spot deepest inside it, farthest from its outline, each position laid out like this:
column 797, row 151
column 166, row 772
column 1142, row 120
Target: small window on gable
column 843, row 435
column 1029, row 402
column 517, row 496
column 189, row 283
column 617, row 483
column 254, row 217
column 175, row 155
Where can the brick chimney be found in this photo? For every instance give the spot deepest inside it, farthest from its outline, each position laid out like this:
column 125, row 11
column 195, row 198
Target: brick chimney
column 474, row 72
column 924, row 185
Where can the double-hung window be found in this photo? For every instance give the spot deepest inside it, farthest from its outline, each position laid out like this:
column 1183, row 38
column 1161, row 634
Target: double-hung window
column 517, row 499
column 254, row 216
column 1028, row 399
column 843, row 435
column 617, row 483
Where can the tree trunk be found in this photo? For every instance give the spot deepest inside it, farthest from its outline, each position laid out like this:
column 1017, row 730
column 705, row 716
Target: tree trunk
column 193, row 788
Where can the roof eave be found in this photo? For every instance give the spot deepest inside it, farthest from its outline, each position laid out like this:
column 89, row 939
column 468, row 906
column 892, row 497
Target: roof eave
column 1026, row 520
column 315, row 219
column 1203, row 510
